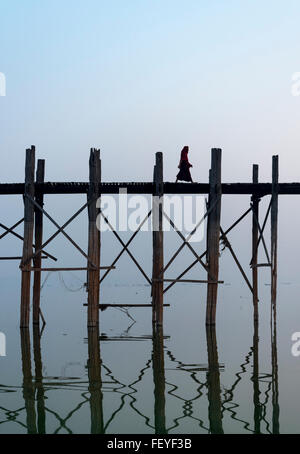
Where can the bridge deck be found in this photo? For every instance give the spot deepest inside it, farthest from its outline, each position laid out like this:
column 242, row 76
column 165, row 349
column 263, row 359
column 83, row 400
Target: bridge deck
column 148, row 188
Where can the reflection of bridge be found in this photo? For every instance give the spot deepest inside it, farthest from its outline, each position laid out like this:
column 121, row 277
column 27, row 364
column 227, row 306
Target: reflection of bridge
column 101, row 380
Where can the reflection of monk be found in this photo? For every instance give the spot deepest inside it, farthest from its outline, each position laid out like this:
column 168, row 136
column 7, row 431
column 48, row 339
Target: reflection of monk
column 184, row 166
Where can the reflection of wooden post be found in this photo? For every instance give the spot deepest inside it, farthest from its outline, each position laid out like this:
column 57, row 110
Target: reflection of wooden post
column 255, row 214
column 28, row 386
column 37, row 261
column 95, row 384
column 159, row 381
column 94, row 239
column 158, row 244
column 255, row 379
column 28, row 237
column 213, row 233
column 213, row 383
column 274, row 228
column 275, row 392
column 40, row 395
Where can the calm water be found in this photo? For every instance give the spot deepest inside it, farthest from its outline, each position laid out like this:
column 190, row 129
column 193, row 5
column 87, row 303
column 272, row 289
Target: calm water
column 185, row 380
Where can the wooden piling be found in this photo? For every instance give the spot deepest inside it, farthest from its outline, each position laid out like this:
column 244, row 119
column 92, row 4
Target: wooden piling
column 158, row 242
column 213, row 233
column 28, row 236
column 255, row 217
column 274, row 229
column 38, row 232
column 93, row 279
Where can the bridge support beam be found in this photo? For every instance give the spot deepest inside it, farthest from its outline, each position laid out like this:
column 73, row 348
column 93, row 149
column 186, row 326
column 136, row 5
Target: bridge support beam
column 93, row 275
column 255, row 217
column 37, row 261
column 28, row 237
column 274, row 229
column 213, row 233
column 158, row 242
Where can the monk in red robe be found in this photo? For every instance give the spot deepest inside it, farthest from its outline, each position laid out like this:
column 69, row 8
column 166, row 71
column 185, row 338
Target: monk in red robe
column 184, row 173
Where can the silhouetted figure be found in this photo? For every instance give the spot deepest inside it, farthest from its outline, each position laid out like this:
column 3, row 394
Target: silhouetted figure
column 184, row 166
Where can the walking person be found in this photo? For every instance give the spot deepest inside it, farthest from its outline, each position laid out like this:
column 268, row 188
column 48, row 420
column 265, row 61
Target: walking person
column 184, row 173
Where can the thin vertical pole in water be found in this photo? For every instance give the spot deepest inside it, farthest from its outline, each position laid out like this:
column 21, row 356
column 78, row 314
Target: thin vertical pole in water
column 28, row 237
column 255, row 214
column 158, row 242
column 158, row 365
column 274, row 229
column 94, row 239
column 37, row 261
column 213, row 233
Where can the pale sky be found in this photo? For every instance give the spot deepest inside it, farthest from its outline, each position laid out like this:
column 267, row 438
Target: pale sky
column 135, row 77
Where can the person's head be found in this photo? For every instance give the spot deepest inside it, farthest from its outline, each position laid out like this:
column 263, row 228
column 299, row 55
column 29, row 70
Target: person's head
column 185, row 150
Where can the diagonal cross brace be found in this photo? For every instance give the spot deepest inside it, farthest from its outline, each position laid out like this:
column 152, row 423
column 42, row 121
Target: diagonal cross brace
column 60, row 230
column 261, row 230
column 204, row 253
column 125, row 247
column 228, row 245
column 127, row 244
column 11, row 230
column 186, row 240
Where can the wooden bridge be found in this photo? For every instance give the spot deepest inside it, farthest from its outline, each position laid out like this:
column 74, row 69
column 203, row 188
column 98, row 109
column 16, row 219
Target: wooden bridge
column 34, row 247
column 259, row 189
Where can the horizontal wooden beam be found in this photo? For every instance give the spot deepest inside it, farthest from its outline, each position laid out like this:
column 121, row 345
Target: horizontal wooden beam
column 128, row 338
column 73, row 269
column 259, row 189
column 260, row 265
column 190, row 281
column 102, row 306
column 17, row 258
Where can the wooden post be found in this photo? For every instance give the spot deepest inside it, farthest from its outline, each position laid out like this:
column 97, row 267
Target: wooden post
column 93, row 280
column 158, row 366
column 158, row 242
column 274, row 228
column 213, row 234
column 28, row 237
column 213, row 383
column 37, row 261
column 95, row 382
column 255, row 217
